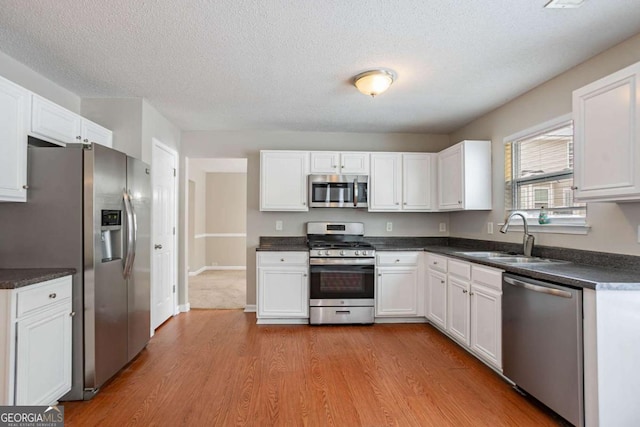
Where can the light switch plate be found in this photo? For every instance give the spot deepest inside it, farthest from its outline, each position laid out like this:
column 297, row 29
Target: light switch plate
column 443, row 226
column 489, row 228
column 389, row 226
column 278, row 225
column 639, row 234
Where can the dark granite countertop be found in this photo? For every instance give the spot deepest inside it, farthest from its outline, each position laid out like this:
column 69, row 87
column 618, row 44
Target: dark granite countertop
column 581, row 269
column 13, row 278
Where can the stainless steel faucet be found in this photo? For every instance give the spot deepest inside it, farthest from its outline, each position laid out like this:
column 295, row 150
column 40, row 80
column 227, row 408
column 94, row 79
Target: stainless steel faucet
column 527, row 243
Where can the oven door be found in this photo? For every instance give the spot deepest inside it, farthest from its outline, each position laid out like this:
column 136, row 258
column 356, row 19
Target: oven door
column 342, row 279
column 338, row 191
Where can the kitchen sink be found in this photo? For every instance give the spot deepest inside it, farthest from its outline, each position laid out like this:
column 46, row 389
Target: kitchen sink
column 523, row 260
column 484, row 254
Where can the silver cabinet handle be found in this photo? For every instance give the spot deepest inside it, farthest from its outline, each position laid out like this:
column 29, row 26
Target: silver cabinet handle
column 85, row 140
column 464, row 291
column 281, row 259
column 157, row 246
column 26, row 187
column 459, row 202
column 78, row 137
column 53, row 295
column 471, row 293
column 72, row 314
column 435, row 262
column 379, row 274
column 304, row 275
column 397, row 260
column 574, row 187
column 442, row 281
column 397, row 203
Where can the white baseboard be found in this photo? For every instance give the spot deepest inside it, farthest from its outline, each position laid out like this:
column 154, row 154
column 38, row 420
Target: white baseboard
column 400, row 320
column 183, row 308
column 217, row 267
column 250, row 308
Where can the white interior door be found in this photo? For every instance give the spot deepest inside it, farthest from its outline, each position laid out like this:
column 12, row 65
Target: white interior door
column 163, row 259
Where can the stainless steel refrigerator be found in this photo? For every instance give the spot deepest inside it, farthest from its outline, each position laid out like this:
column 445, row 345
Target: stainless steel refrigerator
column 89, row 207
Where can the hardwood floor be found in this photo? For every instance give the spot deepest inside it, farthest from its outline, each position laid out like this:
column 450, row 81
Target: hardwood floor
column 218, row 368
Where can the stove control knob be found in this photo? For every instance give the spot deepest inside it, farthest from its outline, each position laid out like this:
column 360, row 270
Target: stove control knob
column 357, row 252
column 343, row 253
column 327, row 253
column 364, row 252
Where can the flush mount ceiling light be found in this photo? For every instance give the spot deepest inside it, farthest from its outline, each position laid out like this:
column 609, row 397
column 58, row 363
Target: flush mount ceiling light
column 564, row 4
column 374, row 82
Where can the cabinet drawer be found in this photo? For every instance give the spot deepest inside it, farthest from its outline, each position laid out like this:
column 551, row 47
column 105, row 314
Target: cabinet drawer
column 437, row 262
column 460, row 268
column 487, row 276
column 283, row 258
column 397, row 258
column 43, row 295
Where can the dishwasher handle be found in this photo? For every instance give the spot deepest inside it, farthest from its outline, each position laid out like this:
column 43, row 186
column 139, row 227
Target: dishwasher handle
column 536, row 288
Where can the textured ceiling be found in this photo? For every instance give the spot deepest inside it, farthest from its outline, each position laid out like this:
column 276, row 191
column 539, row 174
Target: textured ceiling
column 288, row 64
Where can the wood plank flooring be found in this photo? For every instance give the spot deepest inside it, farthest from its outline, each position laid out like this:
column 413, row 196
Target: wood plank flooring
column 218, row 368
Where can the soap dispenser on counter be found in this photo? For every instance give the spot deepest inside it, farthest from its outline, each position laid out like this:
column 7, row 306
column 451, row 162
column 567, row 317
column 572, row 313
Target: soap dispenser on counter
column 543, row 218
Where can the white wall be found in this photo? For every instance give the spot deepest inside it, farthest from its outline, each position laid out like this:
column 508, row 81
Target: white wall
column 247, row 144
column 24, row 76
column 614, row 226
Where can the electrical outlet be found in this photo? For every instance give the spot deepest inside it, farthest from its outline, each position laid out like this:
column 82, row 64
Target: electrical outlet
column 443, row 226
column 278, row 225
column 389, row 226
column 489, row 228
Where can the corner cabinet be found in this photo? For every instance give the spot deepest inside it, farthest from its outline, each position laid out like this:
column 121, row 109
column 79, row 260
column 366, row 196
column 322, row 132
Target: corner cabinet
column 464, row 176
column 283, row 287
column 36, row 336
column 14, row 118
column 398, row 285
column 283, row 180
column 606, row 115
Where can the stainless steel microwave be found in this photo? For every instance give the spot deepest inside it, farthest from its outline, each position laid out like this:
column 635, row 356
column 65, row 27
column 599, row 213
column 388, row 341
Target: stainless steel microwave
column 338, row 191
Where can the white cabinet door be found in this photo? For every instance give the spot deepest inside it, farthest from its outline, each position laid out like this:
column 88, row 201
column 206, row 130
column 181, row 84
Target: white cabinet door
column 14, row 117
column 458, row 309
column 54, row 123
column 325, row 162
column 283, row 292
column 385, row 182
column 486, row 324
column 606, row 117
column 94, row 133
column 418, row 183
column 437, row 299
column 355, row 163
column 450, row 178
column 464, row 176
column 397, row 291
column 283, row 180
column 43, row 358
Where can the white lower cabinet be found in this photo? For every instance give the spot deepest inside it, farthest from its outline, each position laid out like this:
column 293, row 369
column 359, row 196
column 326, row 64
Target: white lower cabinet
column 398, row 285
column 36, row 331
column 464, row 300
column 283, row 287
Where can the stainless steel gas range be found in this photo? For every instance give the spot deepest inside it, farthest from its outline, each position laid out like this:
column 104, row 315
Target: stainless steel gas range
column 342, row 268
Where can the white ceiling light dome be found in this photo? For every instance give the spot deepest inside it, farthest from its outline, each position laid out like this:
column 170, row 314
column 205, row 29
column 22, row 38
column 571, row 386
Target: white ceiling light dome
column 374, row 82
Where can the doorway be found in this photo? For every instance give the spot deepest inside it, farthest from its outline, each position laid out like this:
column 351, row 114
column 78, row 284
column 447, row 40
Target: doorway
column 217, row 216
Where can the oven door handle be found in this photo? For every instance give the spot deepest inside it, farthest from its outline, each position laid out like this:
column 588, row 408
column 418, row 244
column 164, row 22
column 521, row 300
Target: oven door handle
column 342, row 261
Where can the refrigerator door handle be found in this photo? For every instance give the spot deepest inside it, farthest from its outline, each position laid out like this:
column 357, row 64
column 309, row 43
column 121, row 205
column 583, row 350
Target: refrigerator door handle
column 131, row 235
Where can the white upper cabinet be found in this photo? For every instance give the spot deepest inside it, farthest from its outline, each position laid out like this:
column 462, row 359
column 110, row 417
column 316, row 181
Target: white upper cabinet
column 339, row 163
column 56, row 124
column 14, row 118
column 385, row 182
column 418, row 181
column 402, row 182
column 464, row 176
column 93, row 132
column 606, row 116
column 53, row 122
column 283, row 180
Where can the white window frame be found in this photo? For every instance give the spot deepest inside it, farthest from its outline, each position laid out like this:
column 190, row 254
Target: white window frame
column 570, row 224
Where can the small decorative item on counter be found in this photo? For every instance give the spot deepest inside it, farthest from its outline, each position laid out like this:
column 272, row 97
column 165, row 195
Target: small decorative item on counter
column 543, row 218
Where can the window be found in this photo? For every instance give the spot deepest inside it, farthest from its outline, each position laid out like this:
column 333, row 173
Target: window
column 539, row 173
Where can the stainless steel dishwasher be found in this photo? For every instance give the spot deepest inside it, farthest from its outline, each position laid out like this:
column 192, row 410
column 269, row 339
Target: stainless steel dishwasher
column 542, row 347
